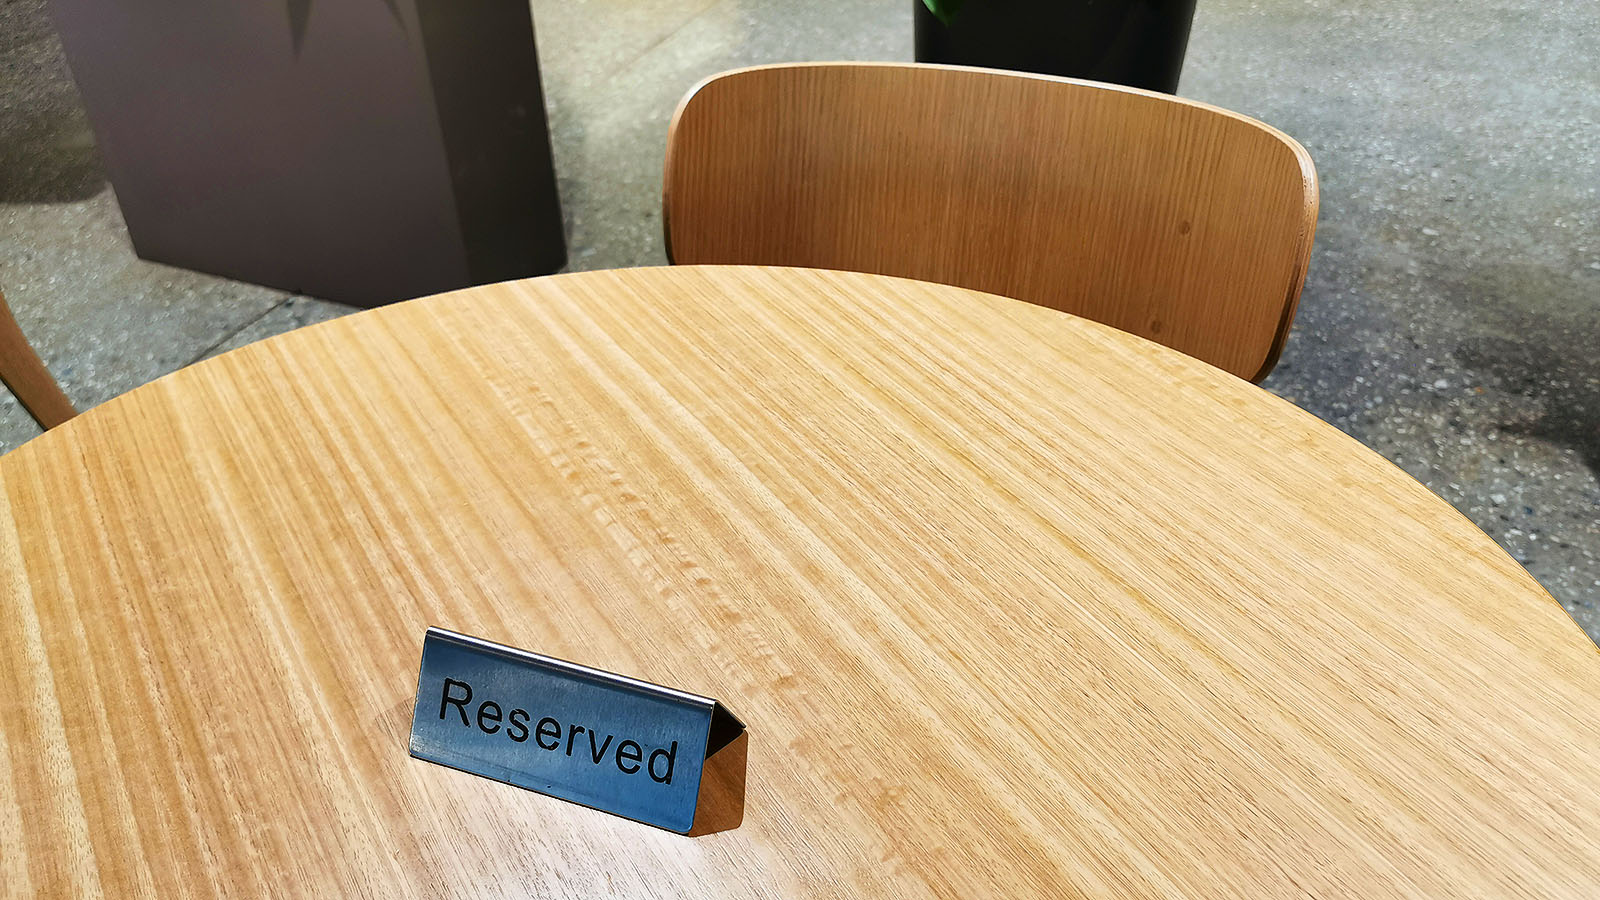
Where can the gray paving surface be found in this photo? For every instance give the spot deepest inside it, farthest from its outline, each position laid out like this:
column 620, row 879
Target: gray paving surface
column 1451, row 320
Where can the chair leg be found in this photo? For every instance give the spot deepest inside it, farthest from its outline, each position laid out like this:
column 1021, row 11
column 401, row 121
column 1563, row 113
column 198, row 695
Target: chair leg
column 24, row 373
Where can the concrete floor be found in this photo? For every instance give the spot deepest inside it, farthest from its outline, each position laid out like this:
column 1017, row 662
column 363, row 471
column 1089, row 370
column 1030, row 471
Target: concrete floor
column 1450, row 321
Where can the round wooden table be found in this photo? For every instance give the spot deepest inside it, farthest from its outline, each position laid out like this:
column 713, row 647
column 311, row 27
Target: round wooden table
column 1013, row 605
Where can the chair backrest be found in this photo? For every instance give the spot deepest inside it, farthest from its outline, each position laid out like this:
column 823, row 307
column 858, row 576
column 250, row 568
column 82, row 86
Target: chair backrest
column 1181, row 222
column 24, row 373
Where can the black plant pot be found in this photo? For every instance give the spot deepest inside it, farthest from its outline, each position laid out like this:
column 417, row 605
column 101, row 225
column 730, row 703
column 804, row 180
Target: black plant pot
column 1139, row 43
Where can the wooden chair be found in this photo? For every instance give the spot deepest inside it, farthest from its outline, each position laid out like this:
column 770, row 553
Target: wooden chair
column 24, row 373
column 1181, row 222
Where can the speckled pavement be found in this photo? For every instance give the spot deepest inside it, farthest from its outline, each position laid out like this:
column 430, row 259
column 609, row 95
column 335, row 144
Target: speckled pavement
column 1451, row 319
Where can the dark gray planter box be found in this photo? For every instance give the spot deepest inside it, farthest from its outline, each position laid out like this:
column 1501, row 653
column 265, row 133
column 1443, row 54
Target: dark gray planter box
column 357, row 150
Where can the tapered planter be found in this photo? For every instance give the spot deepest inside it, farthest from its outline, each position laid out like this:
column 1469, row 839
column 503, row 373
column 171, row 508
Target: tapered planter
column 1134, row 42
column 358, row 150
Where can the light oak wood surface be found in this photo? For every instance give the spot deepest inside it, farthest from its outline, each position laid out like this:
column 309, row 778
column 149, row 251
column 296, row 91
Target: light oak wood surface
column 1014, row 605
column 1178, row 221
column 24, row 373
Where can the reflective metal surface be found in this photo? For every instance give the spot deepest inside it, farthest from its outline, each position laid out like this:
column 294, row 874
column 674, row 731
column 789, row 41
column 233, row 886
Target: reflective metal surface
column 592, row 737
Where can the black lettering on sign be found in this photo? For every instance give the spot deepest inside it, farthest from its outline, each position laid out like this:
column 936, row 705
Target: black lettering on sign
column 489, row 711
column 517, row 729
column 669, row 756
column 629, row 758
column 601, row 750
column 548, row 728
column 459, row 702
column 629, row 750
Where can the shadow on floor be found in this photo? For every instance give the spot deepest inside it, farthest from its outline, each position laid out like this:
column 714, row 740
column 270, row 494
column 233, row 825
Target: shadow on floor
column 46, row 160
column 1540, row 349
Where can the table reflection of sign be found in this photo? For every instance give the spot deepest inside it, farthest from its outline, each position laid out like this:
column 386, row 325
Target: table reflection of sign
column 603, row 740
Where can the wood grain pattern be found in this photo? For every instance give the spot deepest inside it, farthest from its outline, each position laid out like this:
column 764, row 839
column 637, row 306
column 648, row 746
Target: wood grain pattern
column 1014, row 605
column 1181, row 222
column 25, row 374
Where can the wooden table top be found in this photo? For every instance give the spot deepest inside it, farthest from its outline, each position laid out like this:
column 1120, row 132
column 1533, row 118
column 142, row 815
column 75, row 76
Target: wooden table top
column 1013, row 605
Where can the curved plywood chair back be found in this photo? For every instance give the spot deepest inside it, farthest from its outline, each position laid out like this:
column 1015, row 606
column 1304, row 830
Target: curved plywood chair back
column 1170, row 219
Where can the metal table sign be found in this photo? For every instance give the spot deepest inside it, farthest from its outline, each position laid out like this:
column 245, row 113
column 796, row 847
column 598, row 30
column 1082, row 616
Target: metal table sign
column 607, row 741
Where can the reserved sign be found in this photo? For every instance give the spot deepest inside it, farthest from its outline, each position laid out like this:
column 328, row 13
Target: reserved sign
column 607, row 741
